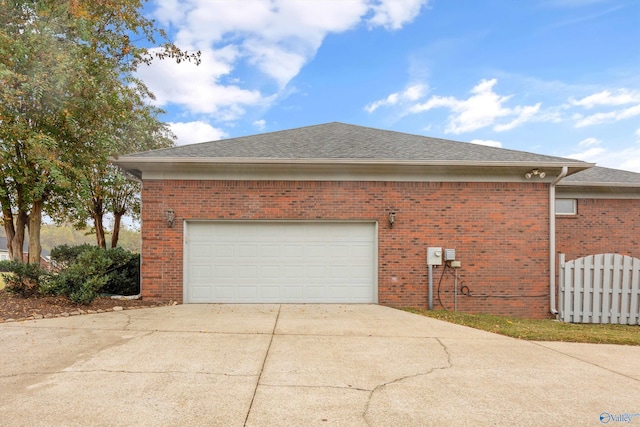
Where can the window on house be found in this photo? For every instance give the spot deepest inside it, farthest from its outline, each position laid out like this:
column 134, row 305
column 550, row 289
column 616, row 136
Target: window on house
column 566, row 207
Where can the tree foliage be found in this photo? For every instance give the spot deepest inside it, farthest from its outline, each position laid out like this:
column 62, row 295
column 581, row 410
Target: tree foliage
column 69, row 99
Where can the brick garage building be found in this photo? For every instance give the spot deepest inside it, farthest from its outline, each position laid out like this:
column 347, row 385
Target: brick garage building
column 343, row 213
column 602, row 213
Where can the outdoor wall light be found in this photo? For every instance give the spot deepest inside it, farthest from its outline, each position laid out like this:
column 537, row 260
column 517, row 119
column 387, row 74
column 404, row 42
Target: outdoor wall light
column 392, row 219
column 535, row 172
column 171, row 216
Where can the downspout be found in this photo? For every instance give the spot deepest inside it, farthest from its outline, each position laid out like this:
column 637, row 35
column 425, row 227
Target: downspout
column 552, row 240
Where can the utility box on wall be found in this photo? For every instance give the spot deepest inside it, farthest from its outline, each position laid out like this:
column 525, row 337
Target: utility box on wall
column 449, row 254
column 434, row 256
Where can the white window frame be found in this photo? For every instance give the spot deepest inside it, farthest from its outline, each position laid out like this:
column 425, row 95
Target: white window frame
column 565, row 212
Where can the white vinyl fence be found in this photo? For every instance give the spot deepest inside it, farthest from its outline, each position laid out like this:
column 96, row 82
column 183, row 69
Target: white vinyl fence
column 603, row 288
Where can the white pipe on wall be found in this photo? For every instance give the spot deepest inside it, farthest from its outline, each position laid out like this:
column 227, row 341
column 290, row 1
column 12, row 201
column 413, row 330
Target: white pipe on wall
column 552, row 240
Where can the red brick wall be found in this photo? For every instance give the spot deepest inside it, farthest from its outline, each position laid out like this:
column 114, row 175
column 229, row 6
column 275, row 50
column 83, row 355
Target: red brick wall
column 601, row 226
column 499, row 231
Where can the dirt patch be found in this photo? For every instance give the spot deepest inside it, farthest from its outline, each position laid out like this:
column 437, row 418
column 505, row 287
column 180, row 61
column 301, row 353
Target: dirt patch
column 15, row 308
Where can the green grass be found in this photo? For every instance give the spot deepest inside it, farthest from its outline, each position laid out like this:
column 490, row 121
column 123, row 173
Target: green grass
column 2, row 285
column 540, row 330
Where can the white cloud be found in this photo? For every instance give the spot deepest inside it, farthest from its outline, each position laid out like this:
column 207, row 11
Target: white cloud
column 394, row 14
column 626, row 159
column 483, row 108
column 524, row 114
column 197, row 88
column 278, row 36
column 589, row 155
column 593, row 150
column 620, row 97
column 632, row 162
column 487, row 142
column 198, row 131
column 260, row 124
column 638, row 135
column 608, row 117
column 589, row 141
column 275, row 38
column 412, row 93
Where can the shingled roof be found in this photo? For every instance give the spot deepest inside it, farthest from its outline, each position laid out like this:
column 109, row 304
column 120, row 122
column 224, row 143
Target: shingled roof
column 333, row 141
column 603, row 177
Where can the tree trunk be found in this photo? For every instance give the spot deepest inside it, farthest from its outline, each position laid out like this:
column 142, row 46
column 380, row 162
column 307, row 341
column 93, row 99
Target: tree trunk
column 35, row 223
column 117, row 217
column 97, row 213
column 97, row 224
column 9, row 228
column 17, row 243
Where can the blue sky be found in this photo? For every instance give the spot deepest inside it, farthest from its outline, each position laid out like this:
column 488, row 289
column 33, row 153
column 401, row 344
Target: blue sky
column 557, row 77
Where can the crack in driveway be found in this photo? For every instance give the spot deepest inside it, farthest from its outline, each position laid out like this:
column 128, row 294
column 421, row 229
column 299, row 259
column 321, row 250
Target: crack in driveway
column 397, row 380
column 264, row 361
column 585, row 361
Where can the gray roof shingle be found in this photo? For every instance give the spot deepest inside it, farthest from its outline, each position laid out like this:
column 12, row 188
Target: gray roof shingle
column 603, row 177
column 343, row 141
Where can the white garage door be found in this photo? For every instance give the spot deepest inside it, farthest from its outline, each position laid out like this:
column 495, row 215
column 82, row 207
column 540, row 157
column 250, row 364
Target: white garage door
column 284, row 262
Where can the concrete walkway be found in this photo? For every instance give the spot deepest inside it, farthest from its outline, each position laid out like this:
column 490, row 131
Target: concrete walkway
column 299, row 365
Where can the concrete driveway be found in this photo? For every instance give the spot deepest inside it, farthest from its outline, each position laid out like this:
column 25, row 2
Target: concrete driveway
column 257, row 365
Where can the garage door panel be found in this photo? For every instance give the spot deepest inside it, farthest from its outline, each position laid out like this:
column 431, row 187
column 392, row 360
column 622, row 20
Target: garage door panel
column 293, row 262
column 223, row 271
column 292, row 272
column 270, row 251
column 247, row 272
column 222, row 251
column 201, row 292
column 223, row 294
column 247, row 251
column 203, row 250
column 292, row 251
column 292, row 292
column 270, row 272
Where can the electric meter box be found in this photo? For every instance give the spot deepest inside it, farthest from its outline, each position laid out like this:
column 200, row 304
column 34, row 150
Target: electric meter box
column 449, row 254
column 434, row 256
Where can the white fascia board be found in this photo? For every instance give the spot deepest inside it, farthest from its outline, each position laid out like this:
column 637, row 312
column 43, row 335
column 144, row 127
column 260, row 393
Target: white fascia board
column 124, row 161
column 338, row 169
column 597, row 192
column 599, row 184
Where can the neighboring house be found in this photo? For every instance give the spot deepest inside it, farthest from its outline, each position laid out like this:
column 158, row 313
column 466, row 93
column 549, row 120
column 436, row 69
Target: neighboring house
column 346, row 214
column 4, row 253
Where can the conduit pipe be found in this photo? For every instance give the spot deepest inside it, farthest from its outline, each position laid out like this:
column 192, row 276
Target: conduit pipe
column 430, row 267
column 552, row 240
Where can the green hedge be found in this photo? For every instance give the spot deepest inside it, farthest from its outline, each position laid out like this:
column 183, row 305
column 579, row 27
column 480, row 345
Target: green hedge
column 84, row 272
column 91, row 271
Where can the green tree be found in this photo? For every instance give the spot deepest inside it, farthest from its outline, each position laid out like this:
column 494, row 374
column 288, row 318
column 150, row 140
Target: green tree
column 35, row 63
column 68, row 99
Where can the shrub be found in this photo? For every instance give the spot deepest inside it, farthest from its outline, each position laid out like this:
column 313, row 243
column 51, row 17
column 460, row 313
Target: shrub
column 124, row 275
column 25, row 279
column 93, row 270
column 64, row 255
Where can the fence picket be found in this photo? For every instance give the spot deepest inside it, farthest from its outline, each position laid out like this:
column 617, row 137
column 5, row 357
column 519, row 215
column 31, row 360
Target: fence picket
column 587, row 296
column 605, row 315
column 597, row 287
column 627, row 264
column 601, row 288
column 578, row 272
column 615, row 289
column 634, row 304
